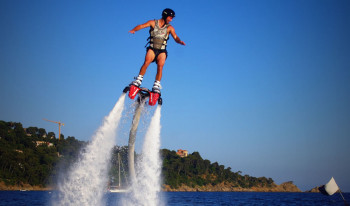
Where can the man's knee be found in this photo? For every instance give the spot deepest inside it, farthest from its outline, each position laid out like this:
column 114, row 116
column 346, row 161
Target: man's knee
column 160, row 64
column 147, row 62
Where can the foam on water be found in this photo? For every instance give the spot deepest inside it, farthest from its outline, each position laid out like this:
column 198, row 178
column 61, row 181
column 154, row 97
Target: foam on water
column 146, row 188
column 87, row 180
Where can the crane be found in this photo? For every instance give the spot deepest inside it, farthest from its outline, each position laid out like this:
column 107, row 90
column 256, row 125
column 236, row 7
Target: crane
column 59, row 127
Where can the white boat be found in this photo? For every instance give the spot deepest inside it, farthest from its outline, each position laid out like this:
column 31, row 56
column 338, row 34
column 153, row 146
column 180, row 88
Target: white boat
column 118, row 188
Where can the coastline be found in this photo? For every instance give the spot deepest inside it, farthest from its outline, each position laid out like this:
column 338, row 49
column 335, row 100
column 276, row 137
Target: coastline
column 222, row 187
column 23, row 187
column 229, row 187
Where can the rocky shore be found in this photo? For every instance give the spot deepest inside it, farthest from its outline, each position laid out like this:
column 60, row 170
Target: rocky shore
column 26, row 187
column 222, row 187
column 228, row 187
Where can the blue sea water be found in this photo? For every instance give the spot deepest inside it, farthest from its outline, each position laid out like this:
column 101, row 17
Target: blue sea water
column 17, row 198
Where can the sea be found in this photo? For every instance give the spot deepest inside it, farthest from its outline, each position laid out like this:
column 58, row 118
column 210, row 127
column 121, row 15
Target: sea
column 32, row 198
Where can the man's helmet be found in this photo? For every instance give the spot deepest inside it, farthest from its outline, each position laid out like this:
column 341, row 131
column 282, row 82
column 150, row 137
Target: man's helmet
column 168, row 12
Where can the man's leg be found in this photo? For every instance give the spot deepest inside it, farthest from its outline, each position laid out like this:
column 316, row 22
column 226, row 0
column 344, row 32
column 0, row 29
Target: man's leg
column 148, row 60
column 160, row 64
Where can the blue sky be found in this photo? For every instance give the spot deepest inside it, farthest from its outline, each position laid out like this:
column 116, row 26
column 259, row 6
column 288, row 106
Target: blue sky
column 261, row 86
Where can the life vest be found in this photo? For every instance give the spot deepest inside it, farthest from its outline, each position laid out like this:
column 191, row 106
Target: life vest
column 158, row 36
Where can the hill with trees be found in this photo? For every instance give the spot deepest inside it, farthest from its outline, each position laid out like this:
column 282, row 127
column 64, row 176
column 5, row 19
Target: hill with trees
column 193, row 171
column 31, row 156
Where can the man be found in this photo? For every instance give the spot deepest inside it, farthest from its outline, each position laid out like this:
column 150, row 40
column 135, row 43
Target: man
column 156, row 52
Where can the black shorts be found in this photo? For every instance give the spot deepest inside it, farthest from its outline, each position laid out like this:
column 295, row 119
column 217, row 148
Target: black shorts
column 157, row 52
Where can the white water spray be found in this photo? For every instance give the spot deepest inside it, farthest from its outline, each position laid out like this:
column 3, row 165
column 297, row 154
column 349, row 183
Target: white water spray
column 87, row 180
column 146, row 189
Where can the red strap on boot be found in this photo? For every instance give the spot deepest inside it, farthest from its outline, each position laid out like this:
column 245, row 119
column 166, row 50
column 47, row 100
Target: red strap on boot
column 133, row 91
column 153, row 98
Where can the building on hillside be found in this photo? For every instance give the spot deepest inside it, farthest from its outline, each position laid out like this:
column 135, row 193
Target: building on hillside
column 43, row 142
column 182, row 153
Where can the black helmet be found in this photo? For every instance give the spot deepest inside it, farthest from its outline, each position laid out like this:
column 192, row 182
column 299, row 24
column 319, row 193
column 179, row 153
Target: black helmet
column 168, row 12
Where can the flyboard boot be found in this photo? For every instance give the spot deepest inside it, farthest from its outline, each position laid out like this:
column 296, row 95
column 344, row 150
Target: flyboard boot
column 134, row 86
column 135, row 89
column 155, row 94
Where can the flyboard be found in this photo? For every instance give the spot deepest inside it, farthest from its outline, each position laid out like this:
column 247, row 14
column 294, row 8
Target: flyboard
column 144, row 94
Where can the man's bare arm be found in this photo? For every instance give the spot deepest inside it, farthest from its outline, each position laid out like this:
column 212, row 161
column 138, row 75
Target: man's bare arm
column 142, row 26
column 176, row 38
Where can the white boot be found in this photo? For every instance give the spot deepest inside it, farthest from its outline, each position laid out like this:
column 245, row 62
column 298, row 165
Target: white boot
column 156, row 87
column 138, row 80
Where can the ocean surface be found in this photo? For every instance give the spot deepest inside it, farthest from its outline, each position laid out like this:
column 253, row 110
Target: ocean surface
column 18, row 198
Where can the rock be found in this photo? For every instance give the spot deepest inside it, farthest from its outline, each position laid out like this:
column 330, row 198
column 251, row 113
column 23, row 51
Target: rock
column 288, row 187
column 315, row 190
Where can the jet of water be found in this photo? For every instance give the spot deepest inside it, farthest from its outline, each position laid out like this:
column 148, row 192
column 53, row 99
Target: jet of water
column 87, row 180
column 146, row 189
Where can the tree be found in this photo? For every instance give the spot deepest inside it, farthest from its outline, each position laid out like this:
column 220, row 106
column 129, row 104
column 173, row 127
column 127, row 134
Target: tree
column 33, row 131
column 51, row 135
column 42, row 133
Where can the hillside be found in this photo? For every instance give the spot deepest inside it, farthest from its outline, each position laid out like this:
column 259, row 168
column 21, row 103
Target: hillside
column 32, row 159
column 30, row 156
column 192, row 173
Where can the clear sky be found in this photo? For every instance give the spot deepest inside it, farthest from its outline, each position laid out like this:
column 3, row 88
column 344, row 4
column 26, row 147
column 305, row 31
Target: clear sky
column 261, row 86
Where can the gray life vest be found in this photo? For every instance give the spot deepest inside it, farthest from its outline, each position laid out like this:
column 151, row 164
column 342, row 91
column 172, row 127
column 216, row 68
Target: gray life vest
column 158, row 36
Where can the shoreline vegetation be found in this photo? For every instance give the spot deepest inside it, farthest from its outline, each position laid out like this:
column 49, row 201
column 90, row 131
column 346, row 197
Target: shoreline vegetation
column 227, row 187
column 223, row 187
column 32, row 159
